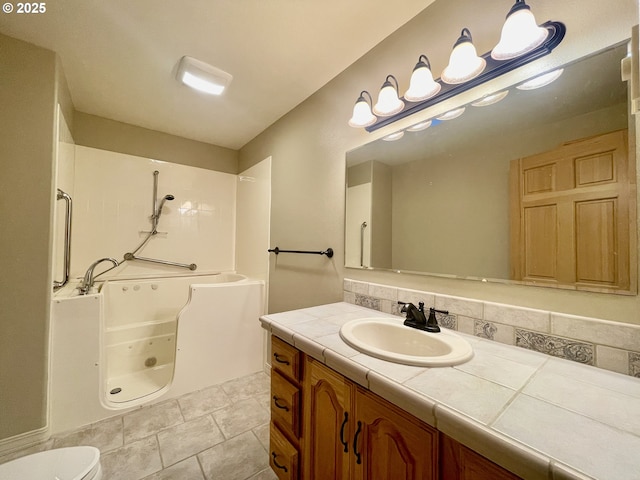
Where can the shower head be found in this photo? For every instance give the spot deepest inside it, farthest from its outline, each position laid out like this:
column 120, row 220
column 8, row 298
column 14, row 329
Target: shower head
column 165, row 198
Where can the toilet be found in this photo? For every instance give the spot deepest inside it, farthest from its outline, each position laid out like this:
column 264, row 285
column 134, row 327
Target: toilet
column 73, row 463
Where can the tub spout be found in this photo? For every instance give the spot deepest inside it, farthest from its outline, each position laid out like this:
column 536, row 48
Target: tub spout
column 87, row 281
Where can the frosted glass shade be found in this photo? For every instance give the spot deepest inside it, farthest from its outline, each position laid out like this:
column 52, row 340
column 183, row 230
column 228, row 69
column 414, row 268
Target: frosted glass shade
column 419, row 126
column 393, row 136
column 451, row 114
column 362, row 116
column 520, row 34
column 464, row 62
column 422, row 85
column 490, row 99
column 388, row 101
column 541, row 80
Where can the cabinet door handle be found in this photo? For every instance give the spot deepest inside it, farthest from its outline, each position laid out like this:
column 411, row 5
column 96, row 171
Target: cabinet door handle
column 282, row 467
column 342, row 440
column 279, row 360
column 355, row 443
column 282, row 407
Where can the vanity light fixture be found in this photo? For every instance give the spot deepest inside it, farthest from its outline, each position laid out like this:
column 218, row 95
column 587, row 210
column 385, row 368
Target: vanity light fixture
column 541, row 80
column 464, row 62
column 451, row 114
column 520, row 33
column 202, row 76
column 389, row 102
column 422, row 85
column 419, row 126
column 362, row 116
column 521, row 42
column 490, row 99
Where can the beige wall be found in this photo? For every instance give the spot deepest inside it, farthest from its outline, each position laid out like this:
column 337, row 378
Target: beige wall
column 105, row 134
column 28, row 97
column 308, row 148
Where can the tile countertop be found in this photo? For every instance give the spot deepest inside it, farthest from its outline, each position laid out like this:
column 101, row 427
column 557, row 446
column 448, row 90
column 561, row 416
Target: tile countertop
column 536, row 415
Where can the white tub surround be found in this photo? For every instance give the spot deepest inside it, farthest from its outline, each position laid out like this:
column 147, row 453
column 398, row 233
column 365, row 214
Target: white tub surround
column 604, row 344
column 540, row 417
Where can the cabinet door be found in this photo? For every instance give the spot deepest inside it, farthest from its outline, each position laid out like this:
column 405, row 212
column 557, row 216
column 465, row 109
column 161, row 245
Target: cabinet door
column 457, row 462
column 327, row 413
column 389, row 443
column 283, row 457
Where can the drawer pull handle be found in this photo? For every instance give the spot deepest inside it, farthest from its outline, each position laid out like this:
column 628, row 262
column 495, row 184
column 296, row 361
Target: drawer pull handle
column 279, row 360
column 282, row 467
column 282, row 407
column 355, row 443
column 342, row 440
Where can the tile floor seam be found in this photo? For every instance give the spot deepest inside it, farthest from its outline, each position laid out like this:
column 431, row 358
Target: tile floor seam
column 213, row 418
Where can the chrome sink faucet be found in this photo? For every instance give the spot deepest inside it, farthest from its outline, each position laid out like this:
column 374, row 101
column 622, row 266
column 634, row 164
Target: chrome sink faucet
column 87, row 281
column 417, row 319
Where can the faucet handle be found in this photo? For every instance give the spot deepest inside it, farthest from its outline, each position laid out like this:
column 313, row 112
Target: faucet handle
column 432, row 321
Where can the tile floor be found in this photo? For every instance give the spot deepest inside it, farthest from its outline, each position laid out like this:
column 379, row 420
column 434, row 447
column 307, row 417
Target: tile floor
column 221, row 432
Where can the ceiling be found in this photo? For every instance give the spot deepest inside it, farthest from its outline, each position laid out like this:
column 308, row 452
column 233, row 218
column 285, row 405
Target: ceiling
column 120, row 56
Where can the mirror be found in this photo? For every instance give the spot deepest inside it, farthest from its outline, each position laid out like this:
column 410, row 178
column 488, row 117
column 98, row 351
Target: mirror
column 444, row 200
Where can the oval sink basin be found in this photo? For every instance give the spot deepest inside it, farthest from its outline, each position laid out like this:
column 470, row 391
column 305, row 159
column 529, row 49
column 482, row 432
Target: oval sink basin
column 391, row 340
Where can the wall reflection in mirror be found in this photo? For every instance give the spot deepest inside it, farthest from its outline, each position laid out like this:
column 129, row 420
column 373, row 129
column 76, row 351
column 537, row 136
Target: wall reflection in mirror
column 535, row 188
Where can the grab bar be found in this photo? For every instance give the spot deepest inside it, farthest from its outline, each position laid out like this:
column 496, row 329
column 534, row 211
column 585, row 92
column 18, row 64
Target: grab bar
column 328, row 252
column 67, row 239
column 131, row 256
column 362, row 227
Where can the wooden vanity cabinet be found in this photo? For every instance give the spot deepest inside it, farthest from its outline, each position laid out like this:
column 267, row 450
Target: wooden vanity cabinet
column 325, row 427
column 286, row 410
column 351, row 433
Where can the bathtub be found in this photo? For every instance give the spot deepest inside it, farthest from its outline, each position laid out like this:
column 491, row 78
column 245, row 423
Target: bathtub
column 147, row 340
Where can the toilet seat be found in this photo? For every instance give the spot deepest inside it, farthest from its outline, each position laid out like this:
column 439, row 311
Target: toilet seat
column 72, row 463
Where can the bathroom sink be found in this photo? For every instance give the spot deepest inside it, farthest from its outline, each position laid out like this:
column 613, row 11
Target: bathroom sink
column 390, row 340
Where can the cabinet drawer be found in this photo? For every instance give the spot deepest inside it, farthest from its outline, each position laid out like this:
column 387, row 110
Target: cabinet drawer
column 285, row 403
column 283, row 457
column 285, row 358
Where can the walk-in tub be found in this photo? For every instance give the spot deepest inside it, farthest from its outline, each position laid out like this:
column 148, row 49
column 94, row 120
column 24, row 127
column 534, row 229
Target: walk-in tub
column 146, row 340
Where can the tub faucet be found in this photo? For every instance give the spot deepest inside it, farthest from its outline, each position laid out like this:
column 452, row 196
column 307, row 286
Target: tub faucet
column 87, row 281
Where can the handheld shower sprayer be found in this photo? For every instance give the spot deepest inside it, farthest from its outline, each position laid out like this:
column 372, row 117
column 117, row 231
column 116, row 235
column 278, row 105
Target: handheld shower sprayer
column 156, row 214
column 166, row 197
column 157, row 209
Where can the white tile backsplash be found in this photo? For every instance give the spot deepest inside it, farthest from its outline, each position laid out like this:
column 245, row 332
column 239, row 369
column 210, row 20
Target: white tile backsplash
column 597, row 331
column 530, row 319
column 459, row 306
